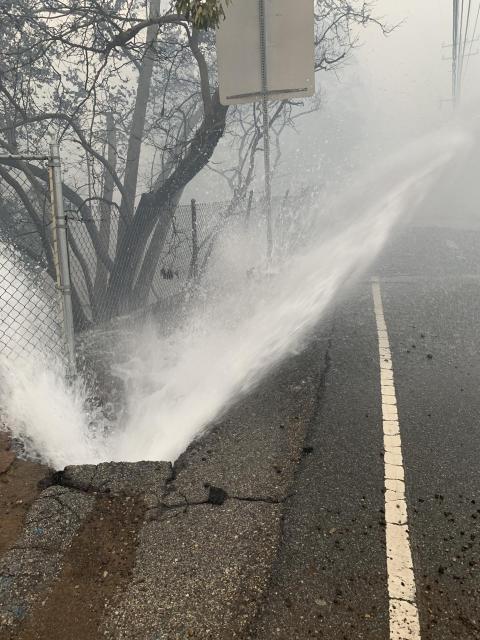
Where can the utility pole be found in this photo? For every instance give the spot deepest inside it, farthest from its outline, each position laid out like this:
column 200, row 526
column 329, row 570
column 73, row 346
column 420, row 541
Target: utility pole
column 462, row 20
column 266, row 128
column 455, row 53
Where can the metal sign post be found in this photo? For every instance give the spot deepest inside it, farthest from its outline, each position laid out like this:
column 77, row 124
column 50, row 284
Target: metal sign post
column 266, row 128
column 60, row 252
column 265, row 51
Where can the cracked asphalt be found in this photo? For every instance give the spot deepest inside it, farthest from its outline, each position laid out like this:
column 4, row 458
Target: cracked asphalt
column 272, row 525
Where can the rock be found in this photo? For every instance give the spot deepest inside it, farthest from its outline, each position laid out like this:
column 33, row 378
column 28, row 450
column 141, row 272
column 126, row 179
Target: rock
column 216, row 496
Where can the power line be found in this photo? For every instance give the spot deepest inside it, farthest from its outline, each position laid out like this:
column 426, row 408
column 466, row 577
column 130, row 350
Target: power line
column 465, row 39
column 473, row 37
column 462, row 14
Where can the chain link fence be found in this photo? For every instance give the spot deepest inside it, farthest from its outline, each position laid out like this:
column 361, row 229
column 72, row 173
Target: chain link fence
column 172, row 259
column 29, row 318
column 30, row 307
column 66, row 270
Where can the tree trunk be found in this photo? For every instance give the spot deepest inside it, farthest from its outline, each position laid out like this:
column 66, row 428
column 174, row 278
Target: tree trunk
column 127, row 205
column 131, row 246
column 127, row 227
column 152, row 255
column 101, row 275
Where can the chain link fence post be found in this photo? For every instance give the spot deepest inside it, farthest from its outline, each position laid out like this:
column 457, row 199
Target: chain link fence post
column 60, row 252
column 193, row 205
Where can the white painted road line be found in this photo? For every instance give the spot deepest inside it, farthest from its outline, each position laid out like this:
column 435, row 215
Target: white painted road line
column 404, row 622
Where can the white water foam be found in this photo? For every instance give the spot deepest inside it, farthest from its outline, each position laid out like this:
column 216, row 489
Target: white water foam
column 176, row 385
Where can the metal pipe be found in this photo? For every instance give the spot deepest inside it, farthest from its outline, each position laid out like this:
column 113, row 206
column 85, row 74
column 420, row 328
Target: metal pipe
column 266, row 127
column 60, row 239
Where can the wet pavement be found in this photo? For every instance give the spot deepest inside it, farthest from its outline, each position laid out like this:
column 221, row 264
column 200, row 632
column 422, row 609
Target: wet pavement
column 272, row 525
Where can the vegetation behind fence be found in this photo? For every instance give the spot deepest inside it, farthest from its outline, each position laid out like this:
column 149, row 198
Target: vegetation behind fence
column 116, row 267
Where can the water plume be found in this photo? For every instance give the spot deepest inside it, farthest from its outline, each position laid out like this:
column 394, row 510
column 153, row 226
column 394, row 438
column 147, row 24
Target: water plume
column 177, row 384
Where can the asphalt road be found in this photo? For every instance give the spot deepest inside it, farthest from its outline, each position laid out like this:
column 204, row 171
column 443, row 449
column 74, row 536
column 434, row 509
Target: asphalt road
column 330, row 578
column 274, row 524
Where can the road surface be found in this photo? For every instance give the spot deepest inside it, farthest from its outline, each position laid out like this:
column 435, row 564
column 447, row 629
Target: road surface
column 339, row 500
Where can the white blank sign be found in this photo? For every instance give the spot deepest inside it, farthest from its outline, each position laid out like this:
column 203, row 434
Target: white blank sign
column 289, row 50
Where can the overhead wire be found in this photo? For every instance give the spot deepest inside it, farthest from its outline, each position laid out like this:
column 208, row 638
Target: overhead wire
column 459, row 40
column 462, row 14
column 473, row 37
column 465, row 38
column 458, row 84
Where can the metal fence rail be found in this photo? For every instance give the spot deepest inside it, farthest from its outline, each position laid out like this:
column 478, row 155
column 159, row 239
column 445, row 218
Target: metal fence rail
column 35, row 315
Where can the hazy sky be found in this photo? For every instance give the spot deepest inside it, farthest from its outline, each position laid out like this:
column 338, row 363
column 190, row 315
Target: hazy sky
column 409, row 71
column 399, row 86
column 406, row 69
column 395, row 88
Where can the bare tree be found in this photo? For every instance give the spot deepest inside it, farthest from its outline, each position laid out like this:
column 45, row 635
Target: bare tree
column 131, row 89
